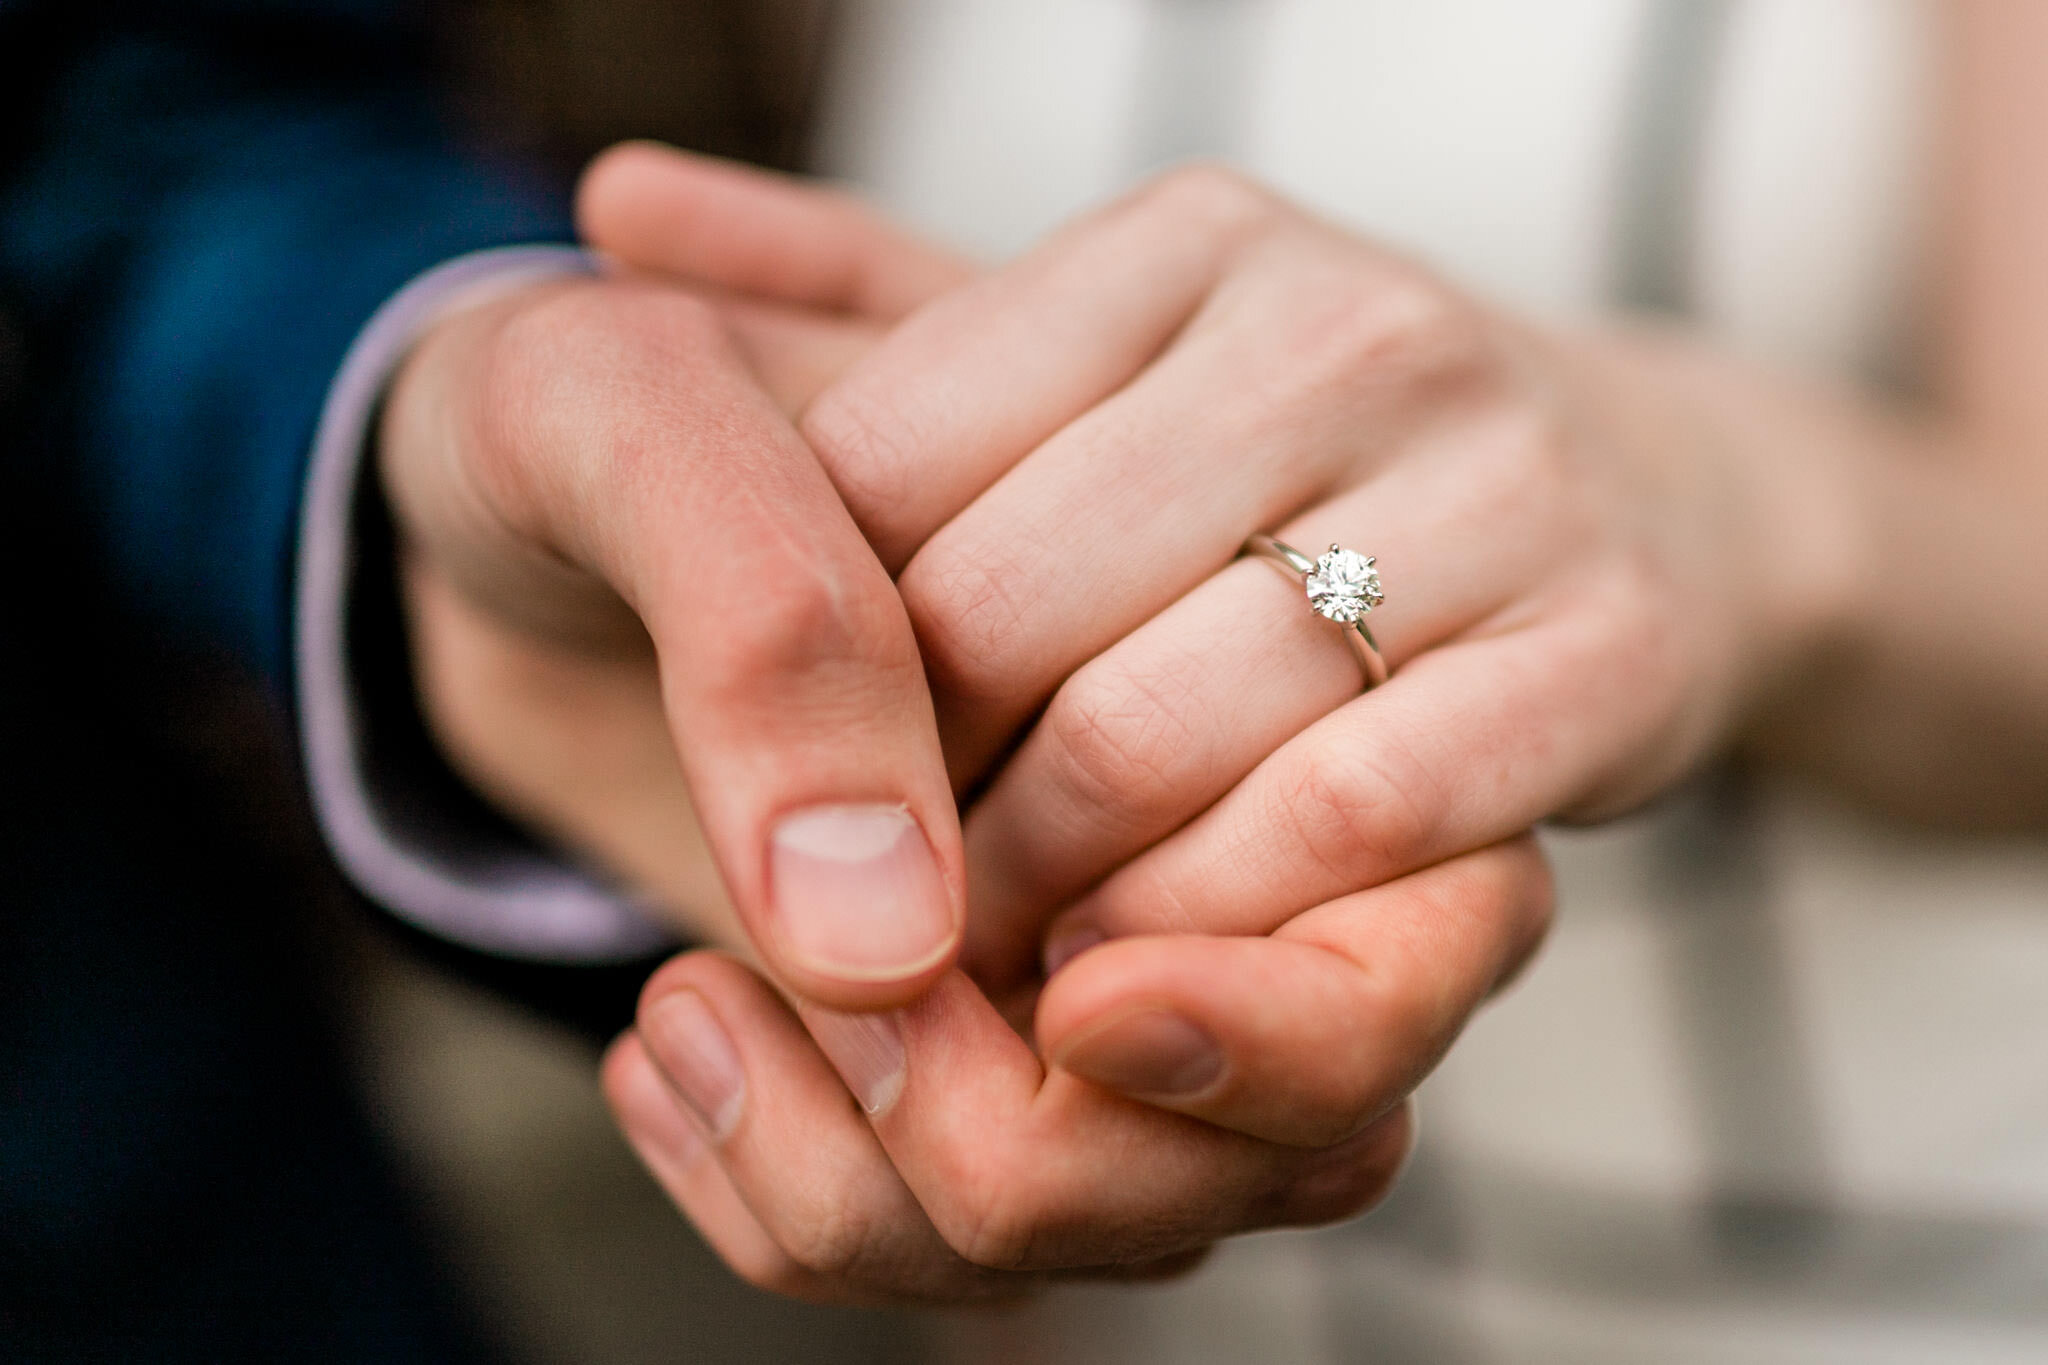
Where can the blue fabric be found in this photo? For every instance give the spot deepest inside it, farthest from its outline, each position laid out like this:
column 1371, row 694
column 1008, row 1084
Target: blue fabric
column 210, row 201
column 200, row 205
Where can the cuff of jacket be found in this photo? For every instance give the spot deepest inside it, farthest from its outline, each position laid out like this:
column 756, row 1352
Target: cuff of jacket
column 402, row 828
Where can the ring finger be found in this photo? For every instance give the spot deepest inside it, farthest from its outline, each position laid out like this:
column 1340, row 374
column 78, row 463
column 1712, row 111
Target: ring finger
column 1149, row 734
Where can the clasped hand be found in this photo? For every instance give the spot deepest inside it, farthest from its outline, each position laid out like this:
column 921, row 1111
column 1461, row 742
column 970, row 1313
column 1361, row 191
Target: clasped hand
column 746, row 568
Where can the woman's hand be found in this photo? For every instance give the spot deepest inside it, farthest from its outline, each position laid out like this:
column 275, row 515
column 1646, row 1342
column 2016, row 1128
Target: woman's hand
column 1588, row 573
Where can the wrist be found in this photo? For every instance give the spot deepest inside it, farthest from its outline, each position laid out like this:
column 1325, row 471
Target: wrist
column 1840, row 531
column 1819, row 559
column 1775, row 471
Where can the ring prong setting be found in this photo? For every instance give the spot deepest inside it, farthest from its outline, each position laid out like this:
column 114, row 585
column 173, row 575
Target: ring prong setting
column 1344, row 586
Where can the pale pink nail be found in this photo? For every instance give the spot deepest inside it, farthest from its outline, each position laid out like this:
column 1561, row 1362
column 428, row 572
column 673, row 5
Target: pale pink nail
column 867, row 1052
column 679, row 1145
column 698, row 1057
column 659, row 1128
column 856, row 892
column 1151, row 1052
column 1065, row 944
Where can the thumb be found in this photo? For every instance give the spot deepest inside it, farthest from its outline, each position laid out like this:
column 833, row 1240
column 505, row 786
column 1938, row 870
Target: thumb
column 755, row 233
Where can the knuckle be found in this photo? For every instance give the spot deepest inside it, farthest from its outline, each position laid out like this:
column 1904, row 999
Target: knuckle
column 1209, row 193
column 1362, row 812
column 1510, row 884
column 1647, row 657
column 865, row 446
column 1527, row 465
column 1120, row 743
column 548, row 357
column 1525, row 880
column 990, row 1215
column 1643, row 638
column 1345, row 328
column 834, row 1242
column 1527, row 887
column 969, row 620
column 816, row 630
column 665, row 321
column 1344, row 1118
column 575, row 333
column 1146, row 896
column 1409, row 1002
column 1379, row 324
column 1410, row 316
column 517, row 371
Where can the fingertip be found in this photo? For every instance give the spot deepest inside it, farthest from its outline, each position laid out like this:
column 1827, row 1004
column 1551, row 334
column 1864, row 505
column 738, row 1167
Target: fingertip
column 755, row 231
column 1113, row 976
column 613, row 178
column 1148, row 1052
column 1356, row 1174
column 1125, row 1014
column 648, row 1113
column 620, row 1056
column 859, row 993
column 858, row 905
column 1257, row 1036
column 863, row 997
column 857, row 894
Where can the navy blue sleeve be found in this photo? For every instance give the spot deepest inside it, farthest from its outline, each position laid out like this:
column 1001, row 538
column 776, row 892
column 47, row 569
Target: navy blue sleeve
column 205, row 204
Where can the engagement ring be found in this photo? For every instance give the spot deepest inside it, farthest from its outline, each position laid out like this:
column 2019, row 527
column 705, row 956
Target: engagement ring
column 1343, row 586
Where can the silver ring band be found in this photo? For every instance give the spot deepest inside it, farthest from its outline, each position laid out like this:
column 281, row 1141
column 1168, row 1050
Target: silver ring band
column 1343, row 586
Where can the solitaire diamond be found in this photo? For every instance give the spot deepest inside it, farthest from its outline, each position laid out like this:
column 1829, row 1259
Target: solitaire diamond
column 1344, row 586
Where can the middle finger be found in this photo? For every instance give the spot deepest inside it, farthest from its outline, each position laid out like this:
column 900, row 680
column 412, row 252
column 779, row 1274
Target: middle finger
column 1129, row 505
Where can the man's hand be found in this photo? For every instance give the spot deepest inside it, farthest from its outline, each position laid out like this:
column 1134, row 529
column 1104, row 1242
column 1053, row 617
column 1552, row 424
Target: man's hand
column 635, row 594
column 978, row 1171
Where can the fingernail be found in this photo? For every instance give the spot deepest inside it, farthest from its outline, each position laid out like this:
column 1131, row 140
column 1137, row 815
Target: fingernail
column 657, row 1125
column 686, row 1145
column 1063, row 945
column 666, row 1139
column 867, row 1052
column 857, row 892
column 1148, row 1053
column 696, row 1054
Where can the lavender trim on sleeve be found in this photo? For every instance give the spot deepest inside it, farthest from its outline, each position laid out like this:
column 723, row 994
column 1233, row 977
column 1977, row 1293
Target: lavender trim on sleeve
column 513, row 901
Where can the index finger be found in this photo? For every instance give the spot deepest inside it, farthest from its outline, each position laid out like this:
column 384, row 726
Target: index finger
column 756, row 233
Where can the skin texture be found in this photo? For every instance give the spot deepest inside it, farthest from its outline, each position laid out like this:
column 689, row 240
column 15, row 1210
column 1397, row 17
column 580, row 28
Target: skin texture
column 1273, row 905
column 539, row 456
column 545, row 697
